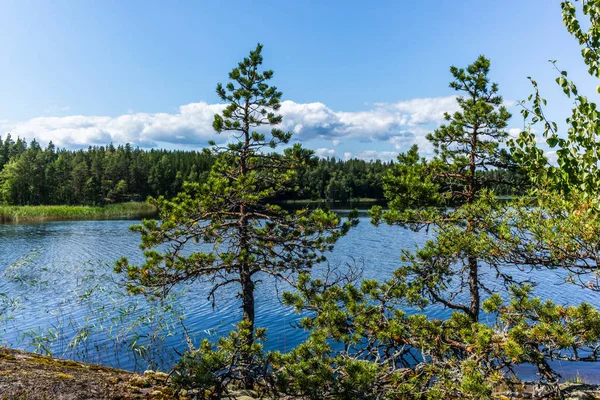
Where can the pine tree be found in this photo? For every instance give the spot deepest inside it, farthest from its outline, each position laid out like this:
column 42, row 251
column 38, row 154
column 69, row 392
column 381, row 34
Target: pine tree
column 249, row 238
column 443, row 192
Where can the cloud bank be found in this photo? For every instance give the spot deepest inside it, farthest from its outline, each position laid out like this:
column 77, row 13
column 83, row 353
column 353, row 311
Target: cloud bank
column 399, row 124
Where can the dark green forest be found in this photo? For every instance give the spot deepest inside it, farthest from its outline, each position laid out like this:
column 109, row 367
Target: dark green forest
column 33, row 175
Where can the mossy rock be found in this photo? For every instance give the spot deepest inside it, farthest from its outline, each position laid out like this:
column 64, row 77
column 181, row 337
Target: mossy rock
column 33, row 376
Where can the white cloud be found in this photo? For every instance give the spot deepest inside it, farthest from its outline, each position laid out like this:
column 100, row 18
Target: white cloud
column 381, row 122
column 403, row 141
column 425, row 146
column 552, row 157
column 423, row 111
column 324, row 152
column 400, row 124
column 191, row 125
column 514, row 132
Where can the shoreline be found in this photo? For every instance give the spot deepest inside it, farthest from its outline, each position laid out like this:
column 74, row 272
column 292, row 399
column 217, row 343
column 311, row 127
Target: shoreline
column 129, row 210
column 20, row 214
column 25, row 375
column 34, row 376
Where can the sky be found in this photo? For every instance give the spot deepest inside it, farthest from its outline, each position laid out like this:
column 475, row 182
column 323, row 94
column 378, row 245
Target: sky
column 359, row 79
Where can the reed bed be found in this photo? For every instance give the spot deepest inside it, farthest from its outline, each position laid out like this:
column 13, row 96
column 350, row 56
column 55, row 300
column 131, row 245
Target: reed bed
column 61, row 212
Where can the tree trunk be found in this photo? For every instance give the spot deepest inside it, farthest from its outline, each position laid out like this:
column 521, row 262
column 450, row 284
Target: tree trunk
column 474, row 288
column 472, row 260
column 247, row 295
column 247, row 298
column 245, row 273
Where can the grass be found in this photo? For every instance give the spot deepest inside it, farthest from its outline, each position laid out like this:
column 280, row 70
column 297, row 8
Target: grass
column 577, row 379
column 59, row 213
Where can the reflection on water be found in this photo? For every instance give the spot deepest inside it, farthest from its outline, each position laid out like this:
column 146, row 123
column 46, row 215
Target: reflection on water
column 66, row 287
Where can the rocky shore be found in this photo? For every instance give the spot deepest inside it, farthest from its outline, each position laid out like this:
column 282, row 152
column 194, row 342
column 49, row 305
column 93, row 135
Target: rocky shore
column 32, row 376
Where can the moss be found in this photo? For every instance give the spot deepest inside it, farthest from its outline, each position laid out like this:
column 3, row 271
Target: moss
column 113, row 380
column 54, row 362
column 7, row 357
column 140, row 381
column 65, row 376
column 69, row 364
column 131, row 389
column 156, row 375
column 164, row 394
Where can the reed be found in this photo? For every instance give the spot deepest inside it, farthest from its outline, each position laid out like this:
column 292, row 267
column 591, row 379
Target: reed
column 62, row 212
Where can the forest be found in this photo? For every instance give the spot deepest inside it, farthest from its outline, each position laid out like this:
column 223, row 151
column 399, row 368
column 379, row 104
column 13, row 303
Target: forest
column 32, row 175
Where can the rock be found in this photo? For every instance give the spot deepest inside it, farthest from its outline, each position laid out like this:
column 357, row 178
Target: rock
column 34, row 376
column 580, row 395
column 243, row 395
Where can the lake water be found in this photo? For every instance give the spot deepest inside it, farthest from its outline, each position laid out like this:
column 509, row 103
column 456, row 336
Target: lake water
column 61, row 295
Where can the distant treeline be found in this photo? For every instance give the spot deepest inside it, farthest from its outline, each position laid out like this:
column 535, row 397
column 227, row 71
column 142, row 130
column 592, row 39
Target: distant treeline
column 32, row 175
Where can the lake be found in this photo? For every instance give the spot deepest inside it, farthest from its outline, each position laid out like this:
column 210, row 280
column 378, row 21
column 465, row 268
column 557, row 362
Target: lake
column 62, row 296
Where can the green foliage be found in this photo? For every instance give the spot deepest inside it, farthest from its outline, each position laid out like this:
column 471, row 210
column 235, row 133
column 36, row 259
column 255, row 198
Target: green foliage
column 363, row 346
column 35, row 176
column 105, row 174
column 578, row 170
column 590, row 40
column 243, row 236
column 548, row 230
column 447, row 192
column 216, row 369
column 558, row 225
column 409, row 186
column 42, row 213
column 470, row 142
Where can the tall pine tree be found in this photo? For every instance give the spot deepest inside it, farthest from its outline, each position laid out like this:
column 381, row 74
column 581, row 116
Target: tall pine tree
column 247, row 236
column 465, row 147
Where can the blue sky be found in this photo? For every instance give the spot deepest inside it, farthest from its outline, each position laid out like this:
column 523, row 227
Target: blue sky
column 361, row 79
